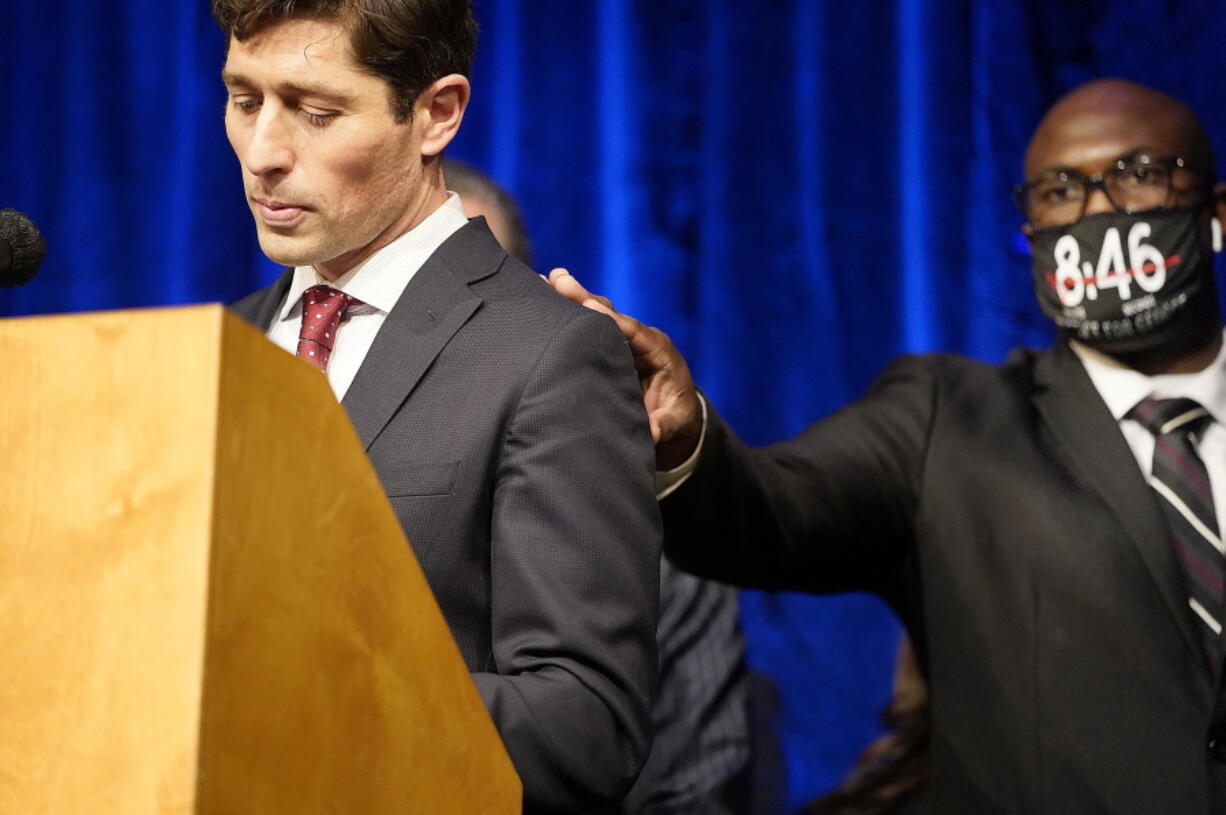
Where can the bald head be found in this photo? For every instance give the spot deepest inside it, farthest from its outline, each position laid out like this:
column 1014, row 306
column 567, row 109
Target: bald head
column 1085, row 134
column 1102, row 120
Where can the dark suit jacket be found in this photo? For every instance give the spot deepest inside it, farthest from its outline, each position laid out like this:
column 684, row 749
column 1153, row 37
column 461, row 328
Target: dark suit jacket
column 508, row 429
column 1000, row 510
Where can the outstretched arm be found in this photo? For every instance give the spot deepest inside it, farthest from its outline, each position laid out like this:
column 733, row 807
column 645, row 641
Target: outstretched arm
column 825, row 511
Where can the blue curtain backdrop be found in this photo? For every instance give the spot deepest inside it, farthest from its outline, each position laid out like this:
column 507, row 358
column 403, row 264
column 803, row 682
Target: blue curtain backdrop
column 796, row 190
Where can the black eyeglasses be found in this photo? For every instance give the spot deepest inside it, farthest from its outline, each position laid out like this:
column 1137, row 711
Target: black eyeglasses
column 1133, row 183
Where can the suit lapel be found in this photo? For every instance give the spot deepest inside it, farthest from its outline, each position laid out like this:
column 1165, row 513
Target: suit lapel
column 259, row 307
column 1089, row 434
column 435, row 305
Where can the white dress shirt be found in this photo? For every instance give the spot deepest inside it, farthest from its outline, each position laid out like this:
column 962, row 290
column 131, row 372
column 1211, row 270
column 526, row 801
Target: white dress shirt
column 667, row 481
column 1122, row 388
column 377, row 282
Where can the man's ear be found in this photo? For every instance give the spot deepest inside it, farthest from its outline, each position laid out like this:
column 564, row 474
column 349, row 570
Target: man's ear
column 440, row 108
column 1027, row 229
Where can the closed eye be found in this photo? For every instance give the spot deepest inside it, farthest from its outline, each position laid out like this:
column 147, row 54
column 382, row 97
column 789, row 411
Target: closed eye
column 245, row 104
column 318, row 119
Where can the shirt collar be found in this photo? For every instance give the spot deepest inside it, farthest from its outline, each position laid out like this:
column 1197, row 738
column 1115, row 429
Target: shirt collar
column 1122, row 387
column 379, row 280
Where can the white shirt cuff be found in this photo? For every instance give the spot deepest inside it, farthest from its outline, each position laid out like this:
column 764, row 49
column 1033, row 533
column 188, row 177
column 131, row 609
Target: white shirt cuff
column 669, row 480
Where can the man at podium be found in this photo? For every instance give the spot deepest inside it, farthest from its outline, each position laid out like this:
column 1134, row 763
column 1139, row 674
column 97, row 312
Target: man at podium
column 505, row 423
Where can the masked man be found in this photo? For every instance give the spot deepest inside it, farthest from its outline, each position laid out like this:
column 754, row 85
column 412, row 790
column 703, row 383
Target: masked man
column 1048, row 528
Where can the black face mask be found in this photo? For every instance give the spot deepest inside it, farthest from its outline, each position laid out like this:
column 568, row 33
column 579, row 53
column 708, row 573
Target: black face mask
column 1121, row 283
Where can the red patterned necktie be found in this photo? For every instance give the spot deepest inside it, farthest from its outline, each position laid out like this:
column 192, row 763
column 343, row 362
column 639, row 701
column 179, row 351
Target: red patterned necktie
column 323, row 308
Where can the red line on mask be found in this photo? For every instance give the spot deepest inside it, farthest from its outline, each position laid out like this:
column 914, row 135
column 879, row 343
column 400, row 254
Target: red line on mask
column 1173, row 260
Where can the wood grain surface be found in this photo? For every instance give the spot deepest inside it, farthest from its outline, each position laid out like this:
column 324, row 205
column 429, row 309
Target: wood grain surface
column 206, row 604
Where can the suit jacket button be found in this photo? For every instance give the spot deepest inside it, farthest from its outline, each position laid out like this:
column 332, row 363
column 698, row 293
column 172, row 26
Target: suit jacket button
column 1217, row 746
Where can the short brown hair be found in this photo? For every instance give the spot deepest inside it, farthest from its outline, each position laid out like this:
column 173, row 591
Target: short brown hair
column 408, row 43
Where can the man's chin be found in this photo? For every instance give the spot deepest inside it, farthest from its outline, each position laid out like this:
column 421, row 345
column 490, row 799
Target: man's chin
column 289, row 251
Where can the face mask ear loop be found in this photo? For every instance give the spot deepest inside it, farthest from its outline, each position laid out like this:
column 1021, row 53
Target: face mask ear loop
column 1215, row 226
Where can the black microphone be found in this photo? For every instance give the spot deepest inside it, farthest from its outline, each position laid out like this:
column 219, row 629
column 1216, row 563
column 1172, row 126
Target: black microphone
column 22, row 248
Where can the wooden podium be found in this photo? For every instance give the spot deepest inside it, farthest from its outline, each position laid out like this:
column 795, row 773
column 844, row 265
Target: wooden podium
column 206, row 603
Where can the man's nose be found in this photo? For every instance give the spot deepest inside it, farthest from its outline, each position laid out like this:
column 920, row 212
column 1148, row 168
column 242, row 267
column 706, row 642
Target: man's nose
column 270, row 149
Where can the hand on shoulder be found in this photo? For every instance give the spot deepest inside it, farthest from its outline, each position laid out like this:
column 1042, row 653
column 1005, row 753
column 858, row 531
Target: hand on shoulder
column 669, row 393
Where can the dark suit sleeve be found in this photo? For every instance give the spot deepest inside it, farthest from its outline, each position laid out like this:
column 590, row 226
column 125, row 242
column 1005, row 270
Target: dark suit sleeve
column 700, row 759
column 830, row 510
column 575, row 560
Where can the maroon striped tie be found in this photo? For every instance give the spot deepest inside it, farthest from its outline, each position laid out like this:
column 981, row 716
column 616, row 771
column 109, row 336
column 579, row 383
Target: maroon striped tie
column 323, row 308
column 1181, row 481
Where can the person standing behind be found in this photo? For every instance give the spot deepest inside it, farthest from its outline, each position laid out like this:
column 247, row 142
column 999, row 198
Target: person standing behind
column 536, row 526
column 700, row 759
